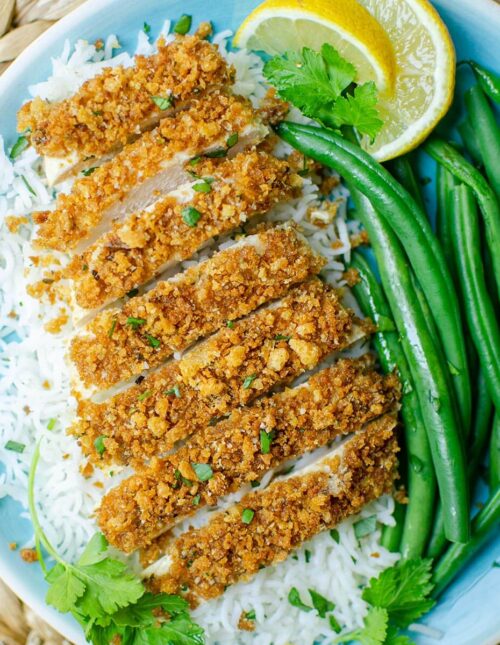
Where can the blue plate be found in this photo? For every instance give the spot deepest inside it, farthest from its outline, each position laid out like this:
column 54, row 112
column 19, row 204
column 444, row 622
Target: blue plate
column 468, row 613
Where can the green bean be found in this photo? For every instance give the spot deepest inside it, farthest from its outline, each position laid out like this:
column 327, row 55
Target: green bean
column 421, row 477
column 401, row 169
column 489, row 81
column 481, row 428
column 479, row 310
column 458, row 555
column 391, row 535
column 444, row 185
column 427, row 371
column 479, row 438
column 487, row 134
column 411, row 226
column 494, row 471
column 446, row 155
column 469, row 140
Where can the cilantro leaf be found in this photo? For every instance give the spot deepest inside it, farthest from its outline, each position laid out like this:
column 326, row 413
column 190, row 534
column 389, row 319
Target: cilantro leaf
column 310, row 79
column 359, row 110
column 295, row 600
column 65, row 588
column 320, row 603
column 373, row 632
column 141, row 613
column 179, row 631
column 393, row 637
column 403, row 591
column 95, row 551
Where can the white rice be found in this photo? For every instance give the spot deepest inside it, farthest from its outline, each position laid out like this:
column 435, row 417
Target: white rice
column 34, row 389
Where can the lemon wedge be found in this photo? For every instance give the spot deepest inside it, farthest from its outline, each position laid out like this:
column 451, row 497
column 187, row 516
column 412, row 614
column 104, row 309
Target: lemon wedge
column 425, row 74
column 401, row 45
column 279, row 25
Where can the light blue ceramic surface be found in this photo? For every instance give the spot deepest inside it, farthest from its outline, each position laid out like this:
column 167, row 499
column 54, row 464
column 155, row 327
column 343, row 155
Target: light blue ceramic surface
column 469, row 613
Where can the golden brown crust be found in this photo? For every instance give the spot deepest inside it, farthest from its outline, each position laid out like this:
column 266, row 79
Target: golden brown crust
column 134, row 250
column 205, row 561
column 109, row 109
column 208, row 121
column 336, row 401
column 194, row 304
column 277, row 344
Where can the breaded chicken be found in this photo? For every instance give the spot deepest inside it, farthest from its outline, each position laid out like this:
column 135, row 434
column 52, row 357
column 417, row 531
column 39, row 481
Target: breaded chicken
column 276, row 344
column 147, row 242
column 114, row 107
column 220, row 459
column 152, row 166
column 120, row 343
column 266, row 527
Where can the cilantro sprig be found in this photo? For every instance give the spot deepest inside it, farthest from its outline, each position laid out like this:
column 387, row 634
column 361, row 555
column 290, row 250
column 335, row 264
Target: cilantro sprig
column 322, row 85
column 110, row 603
column 398, row 597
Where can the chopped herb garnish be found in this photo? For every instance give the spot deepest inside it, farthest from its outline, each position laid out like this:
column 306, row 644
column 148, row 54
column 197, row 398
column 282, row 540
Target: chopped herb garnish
column 307, row 556
column 230, row 324
column 85, row 267
column 132, row 293
column 163, row 102
column 174, row 391
column 385, row 324
column 334, row 534
column 216, row 153
column 232, row 140
column 281, row 337
column 89, row 171
column 247, row 515
column 203, row 471
column 305, row 170
column 183, row 25
column 51, row 424
column 320, row 603
column 194, row 161
column 250, row 615
column 202, row 187
column 146, row 28
column 295, row 600
column 135, row 322
column 265, row 442
column 365, row 527
column 97, row 112
column 248, row 381
column 191, row 216
column 112, row 328
column 179, row 476
column 255, row 483
column 334, row 624
column 20, row 145
column 15, row 446
column 196, row 500
column 153, row 342
column 99, row 444
column 28, row 185
column 145, row 395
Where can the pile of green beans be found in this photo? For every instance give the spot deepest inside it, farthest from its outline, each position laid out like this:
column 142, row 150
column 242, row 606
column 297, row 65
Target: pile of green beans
column 437, row 326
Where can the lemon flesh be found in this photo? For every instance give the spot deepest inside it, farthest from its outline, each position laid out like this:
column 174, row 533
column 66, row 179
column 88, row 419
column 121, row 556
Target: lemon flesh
column 425, row 74
column 279, row 25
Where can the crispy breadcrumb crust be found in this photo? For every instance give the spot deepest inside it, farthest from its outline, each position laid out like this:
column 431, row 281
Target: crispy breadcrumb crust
column 136, row 249
column 336, row 401
column 289, row 512
column 191, row 305
column 113, row 107
column 277, row 344
column 208, row 121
